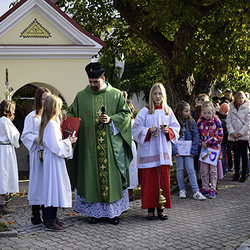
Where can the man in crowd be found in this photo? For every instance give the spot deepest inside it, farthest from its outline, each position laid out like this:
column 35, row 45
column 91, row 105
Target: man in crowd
column 228, row 96
column 99, row 169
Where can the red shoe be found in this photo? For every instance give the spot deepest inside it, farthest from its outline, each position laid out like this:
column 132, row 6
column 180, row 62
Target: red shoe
column 60, row 223
column 52, row 226
column 204, row 192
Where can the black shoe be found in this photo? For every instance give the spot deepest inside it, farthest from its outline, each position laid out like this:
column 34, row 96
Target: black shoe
column 162, row 217
column 36, row 220
column 114, row 221
column 230, row 170
column 242, row 179
column 235, row 178
column 150, row 217
column 93, row 220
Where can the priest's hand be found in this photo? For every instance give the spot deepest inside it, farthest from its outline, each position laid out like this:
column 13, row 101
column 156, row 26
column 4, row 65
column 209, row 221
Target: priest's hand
column 105, row 118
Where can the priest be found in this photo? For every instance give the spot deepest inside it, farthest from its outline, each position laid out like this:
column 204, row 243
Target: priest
column 102, row 154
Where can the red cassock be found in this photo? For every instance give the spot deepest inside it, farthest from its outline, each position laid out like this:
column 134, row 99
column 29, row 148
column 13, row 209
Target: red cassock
column 150, row 182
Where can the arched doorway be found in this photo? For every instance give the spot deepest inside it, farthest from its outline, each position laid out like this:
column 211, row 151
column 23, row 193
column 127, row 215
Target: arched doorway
column 24, row 99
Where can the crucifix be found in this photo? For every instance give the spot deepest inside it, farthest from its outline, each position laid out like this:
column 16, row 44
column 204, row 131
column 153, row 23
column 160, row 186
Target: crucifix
column 7, row 88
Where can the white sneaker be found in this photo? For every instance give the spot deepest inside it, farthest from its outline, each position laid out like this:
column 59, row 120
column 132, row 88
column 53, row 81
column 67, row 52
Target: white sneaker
column 199, row 196
column 182, row 194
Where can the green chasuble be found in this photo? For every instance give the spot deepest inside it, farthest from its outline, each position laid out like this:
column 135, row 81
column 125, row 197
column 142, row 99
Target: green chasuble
column 99, row 169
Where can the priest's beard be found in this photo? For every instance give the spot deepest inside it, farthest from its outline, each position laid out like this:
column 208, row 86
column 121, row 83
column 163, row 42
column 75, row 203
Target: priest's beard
column 95, row 88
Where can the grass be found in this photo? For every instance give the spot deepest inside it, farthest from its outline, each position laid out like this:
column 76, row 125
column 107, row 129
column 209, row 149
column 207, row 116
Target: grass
column 3, row 227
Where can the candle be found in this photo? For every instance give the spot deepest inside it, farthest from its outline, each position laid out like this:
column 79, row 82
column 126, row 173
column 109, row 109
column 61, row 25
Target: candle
column 7, row 80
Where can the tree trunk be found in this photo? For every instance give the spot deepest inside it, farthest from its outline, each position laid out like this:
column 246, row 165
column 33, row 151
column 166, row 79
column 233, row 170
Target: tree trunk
column 181, row 85
column 184, row 86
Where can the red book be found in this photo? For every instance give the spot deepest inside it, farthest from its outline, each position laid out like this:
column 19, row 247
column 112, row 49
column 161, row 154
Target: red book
column 70, row 126
column 68, row 132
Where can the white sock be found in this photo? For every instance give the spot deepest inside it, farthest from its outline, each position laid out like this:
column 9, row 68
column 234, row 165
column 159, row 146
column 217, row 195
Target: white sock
column 2, row 200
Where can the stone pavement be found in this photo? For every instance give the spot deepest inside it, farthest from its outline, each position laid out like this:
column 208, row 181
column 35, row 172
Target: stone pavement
column 220, row 223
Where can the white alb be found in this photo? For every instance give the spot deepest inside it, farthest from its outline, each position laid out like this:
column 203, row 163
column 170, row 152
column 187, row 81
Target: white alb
column 9, row 140
column 56, row 187
column 29, row 139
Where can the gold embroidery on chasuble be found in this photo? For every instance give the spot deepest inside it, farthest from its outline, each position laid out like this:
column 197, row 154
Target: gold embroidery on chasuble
column 35, row 30
column 101, row 149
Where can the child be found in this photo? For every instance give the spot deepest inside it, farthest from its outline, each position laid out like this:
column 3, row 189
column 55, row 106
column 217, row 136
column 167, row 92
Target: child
column 238, row 121
column 188, row 132
column 225, row 146
column 133, row 171
column 216, row 103
column 29, row 139
column 198, row 102
column 56, row 186
column 154, row 128
column 196, row 158
column 9, row 138
column 211, row 134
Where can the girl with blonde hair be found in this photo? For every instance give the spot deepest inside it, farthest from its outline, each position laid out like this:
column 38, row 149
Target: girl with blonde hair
column 154, row 128
column 56, row 187
column 151, row 106
column 211, row 135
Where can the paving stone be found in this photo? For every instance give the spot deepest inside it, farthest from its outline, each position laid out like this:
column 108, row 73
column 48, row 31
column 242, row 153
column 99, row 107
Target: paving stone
column 223, row 220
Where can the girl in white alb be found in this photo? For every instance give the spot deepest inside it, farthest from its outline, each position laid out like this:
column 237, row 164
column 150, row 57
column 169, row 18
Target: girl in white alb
column 154, row 128
column 56, row 187
column 29, row 139
column 9, row 140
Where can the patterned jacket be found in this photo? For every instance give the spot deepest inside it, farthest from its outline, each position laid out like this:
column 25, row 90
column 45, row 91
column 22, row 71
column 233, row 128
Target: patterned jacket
column 210, row 132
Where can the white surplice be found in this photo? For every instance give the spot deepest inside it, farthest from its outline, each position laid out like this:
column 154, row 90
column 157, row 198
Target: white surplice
column 29, row 139
column 9, row 139
column 133, row 171
column 57, row 188
column 158, row 150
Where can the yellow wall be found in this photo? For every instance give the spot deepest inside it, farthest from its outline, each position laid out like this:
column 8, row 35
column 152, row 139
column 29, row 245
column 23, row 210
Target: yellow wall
column 68, row 76
column 13, row 36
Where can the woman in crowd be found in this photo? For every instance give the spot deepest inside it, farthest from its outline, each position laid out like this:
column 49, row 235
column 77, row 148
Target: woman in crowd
column 238, row 121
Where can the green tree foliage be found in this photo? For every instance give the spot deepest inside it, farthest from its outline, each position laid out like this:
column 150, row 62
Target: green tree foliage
column 137, row 75
column 197, row 41
column 236, row 80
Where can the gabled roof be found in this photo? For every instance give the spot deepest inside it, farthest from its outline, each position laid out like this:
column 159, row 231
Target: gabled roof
column 80, row 37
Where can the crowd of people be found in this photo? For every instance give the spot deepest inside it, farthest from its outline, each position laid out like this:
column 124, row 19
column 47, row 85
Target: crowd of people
column 102, row 162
